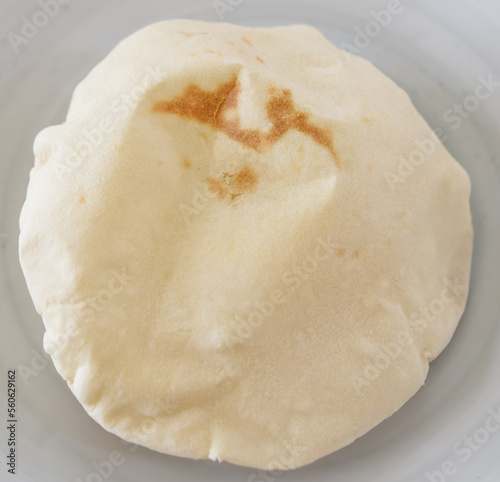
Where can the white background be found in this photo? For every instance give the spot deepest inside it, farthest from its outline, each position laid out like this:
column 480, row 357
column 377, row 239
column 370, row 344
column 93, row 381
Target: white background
column 436, row 50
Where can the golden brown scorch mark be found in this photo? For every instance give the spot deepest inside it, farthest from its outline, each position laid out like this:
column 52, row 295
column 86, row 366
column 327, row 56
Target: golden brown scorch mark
column 210, row 107
column 245, row 180
column 259, row 59
column 233, row 185
column 218, row 187
column 247, row 41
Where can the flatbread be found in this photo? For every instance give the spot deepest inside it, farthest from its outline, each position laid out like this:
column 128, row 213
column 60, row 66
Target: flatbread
column 245, row 244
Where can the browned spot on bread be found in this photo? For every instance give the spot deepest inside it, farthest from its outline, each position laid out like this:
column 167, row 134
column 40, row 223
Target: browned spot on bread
column 196, row 103
column 218, row 187
column 340, row 252
column 231, row 127
column 247, row 41
column 212, row 52
column 366, row 120
column 82, row 200
column 356, row 254
column 233, row 185
column 282, row 113
column 245, row 180
column 259, row 59
column 186, row 162
column 159, row 163
column 211, row 107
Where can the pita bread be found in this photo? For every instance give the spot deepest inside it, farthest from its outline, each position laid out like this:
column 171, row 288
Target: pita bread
column 245, row 244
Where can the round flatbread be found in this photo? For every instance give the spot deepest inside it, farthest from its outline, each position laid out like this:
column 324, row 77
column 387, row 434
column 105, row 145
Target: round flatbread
column 245, row 244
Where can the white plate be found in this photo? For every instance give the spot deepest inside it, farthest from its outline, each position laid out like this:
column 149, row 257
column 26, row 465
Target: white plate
column 436, row 51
